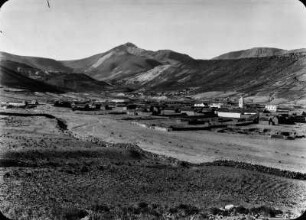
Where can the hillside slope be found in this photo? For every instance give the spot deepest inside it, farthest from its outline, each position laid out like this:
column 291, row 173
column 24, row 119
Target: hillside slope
column 113, row 63
column 258, row 52
column 76, row 82
column 125, row 61
column 12, row 79
column 44, row 64
column 281, row 76
column 258, row 71
column 251, row 53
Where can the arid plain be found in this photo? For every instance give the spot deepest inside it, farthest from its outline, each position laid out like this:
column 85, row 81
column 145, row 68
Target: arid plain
column 95, row 163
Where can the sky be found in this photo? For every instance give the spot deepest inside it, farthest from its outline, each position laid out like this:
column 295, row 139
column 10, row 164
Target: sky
column 203, row 29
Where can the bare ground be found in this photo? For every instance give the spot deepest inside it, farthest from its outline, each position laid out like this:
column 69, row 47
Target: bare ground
column 194, row 146
column 45, row 169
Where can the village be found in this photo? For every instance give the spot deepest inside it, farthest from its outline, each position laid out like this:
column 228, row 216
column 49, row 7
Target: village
column 223, row 116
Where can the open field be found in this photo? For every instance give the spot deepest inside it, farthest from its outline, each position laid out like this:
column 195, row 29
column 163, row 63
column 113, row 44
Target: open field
column 45, row 169
column 193, row 146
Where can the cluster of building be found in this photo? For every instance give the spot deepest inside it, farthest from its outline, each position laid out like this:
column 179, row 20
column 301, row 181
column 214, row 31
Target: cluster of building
column 19, row 104
column 92, row 105
column 264, row 114
column 190, row 114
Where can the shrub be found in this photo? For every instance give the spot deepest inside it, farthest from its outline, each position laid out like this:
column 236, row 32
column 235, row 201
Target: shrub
column 154, row 206
column 215, row 211
column 133, row 210
column 101, row 208
column 69, row 213
column 135, row 154
column 189, row 209
column 155, row 213
column 265, row 211
column 173, row 210
column 241, row 210
column 142, row 205
column 84, row 169
column 184, row 164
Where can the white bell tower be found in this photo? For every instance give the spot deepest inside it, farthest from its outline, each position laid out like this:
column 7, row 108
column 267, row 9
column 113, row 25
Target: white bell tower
column 241, row 102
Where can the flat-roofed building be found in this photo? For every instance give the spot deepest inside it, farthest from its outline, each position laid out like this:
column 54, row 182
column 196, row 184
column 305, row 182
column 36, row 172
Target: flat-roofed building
column 236, row 113
column 215, row 105
column 201, row 104
column 271, row 108
column 225, row 114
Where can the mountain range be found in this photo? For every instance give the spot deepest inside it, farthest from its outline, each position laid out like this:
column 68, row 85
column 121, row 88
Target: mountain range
column 254, row 72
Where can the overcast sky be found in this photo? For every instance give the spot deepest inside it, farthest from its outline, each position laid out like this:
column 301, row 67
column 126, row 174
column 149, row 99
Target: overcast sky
column 203, row 29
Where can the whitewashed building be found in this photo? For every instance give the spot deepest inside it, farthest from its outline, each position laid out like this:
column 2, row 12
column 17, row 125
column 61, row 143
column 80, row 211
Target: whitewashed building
column 236, row 113
column 271, row 108
column 225, row 114
column 215, row 105
column 20, row 104
column 200, row 105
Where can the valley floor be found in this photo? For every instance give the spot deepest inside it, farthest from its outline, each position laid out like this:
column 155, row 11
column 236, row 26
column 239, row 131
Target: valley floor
column 46, row 169
column 194, row 146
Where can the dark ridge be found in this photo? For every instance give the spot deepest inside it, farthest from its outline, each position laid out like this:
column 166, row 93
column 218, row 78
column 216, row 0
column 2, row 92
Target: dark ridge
column 13, row 79
column 258, row 168
column 62, row 125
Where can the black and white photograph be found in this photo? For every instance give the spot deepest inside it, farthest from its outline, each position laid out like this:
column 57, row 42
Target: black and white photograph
column 152, row 110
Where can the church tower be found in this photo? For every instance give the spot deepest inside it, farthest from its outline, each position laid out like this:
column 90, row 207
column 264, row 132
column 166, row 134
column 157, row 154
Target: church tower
column 241, row 102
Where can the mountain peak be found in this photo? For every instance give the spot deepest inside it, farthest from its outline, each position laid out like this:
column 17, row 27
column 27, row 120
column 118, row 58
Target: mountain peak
column 129, row 44
column 125, row 47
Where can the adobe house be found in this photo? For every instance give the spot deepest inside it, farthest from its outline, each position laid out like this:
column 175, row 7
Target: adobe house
column 156, row 110
column 18, row 104
column 215, row 105
column 236, row 113
column 200, row 104
column 273, row 120
column 168, row 111
column 120, row 101
column 62, row 103
column 188, row 111
column 33, row 104
column 271, row 108
column 229, row 114
column 287, row 135
column 120, row 107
